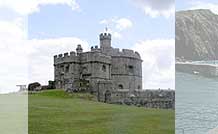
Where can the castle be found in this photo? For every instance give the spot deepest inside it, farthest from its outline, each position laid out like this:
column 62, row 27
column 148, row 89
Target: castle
column 86, row 69
column 112, row 75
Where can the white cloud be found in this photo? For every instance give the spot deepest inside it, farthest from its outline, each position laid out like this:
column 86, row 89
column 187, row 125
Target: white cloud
column 41, row 59
column 104, row 21
column 155, row 8
column 12, row 29
column 118, row 25
column 158, row 62
column 116, row 35
column 13, row 55
column 123, row 23
column 24, row 61
column 203, row 5
column 26, row 7
column 19, row 55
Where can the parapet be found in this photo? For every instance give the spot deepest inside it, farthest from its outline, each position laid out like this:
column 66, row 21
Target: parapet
column 60, row 55
column 72, row 53
column 66, row 57
column 91, row 56
column 126, row 53
column 96, row 56
column 103, row 36
column 95, row 48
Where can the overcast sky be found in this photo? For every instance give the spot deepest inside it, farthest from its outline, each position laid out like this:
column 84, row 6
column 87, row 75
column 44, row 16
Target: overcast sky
column 32, row 31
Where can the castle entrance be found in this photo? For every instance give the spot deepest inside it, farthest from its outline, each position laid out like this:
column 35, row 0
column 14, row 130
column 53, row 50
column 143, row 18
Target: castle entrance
column 107, row 96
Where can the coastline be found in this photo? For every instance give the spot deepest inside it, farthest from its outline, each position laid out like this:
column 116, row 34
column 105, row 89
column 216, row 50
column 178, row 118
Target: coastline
column 198, row 68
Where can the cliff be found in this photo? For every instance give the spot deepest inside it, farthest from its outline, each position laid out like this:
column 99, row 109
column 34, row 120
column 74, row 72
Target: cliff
column 196, row 35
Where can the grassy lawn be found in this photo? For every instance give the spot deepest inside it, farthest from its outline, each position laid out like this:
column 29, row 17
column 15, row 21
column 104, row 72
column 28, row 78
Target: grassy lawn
column 56, row 112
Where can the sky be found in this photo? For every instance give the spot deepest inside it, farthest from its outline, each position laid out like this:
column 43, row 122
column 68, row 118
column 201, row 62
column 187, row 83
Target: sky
column 33, row 31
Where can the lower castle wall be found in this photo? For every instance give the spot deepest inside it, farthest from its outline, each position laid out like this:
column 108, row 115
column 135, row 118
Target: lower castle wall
column 127, row 81
column 164, row 99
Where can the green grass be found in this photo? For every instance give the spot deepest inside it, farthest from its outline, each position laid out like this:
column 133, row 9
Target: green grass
column 56, row 112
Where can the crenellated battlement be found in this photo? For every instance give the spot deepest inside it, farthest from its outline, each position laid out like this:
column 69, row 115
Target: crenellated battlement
column 95, row 48
column 72, row 53
column 103, row 36
column 66, row 54
column 66, row 57
column 125, row 53
column 90, row 56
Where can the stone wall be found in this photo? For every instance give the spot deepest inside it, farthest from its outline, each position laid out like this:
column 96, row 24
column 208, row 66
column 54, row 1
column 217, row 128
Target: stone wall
column 164, row 99
column 126, row 73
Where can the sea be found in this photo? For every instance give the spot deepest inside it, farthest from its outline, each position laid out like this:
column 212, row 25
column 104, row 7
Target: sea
column 196, row 103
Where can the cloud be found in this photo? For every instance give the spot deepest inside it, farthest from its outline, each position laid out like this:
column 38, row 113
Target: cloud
column 118, row 25
column 26, row 7
column 203, row 5
column 155, row 8
column 18, row 55
column 12, row 29
column 40, row 61
column 116, row 35
column 123, row 23
column 12, row 54
column 23, row 60
column 158, row 62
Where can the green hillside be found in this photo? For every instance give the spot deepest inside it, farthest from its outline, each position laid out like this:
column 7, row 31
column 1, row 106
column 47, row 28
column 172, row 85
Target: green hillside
column 56, row 112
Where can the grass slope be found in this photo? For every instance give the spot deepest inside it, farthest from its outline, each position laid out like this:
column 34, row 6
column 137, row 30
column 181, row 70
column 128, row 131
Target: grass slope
column 56, row 112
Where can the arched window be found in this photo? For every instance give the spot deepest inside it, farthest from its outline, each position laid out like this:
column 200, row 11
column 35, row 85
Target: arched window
column 104, row 68
column 130, row 69
column 67, row 68
column 85, row 69
column 120, row 86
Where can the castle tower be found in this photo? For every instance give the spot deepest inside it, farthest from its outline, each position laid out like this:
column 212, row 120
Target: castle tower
column 105, row 41
column 79, row 49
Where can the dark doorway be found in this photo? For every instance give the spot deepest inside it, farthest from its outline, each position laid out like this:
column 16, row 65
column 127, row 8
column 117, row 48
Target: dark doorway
column 107, row 96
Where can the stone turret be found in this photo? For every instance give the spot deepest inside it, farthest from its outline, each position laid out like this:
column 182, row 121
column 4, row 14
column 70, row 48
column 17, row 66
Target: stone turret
column 105, row 41
column 79, row 49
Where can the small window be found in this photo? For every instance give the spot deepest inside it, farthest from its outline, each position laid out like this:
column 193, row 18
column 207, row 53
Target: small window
column 130, row 68
column 139, row 87
column 67, row 68
column 85, row 69
column 104, row 68
column 120, row 86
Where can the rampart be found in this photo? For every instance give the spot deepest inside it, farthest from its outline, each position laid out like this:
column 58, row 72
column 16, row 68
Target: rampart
column 72, row 57
column 125, row 53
